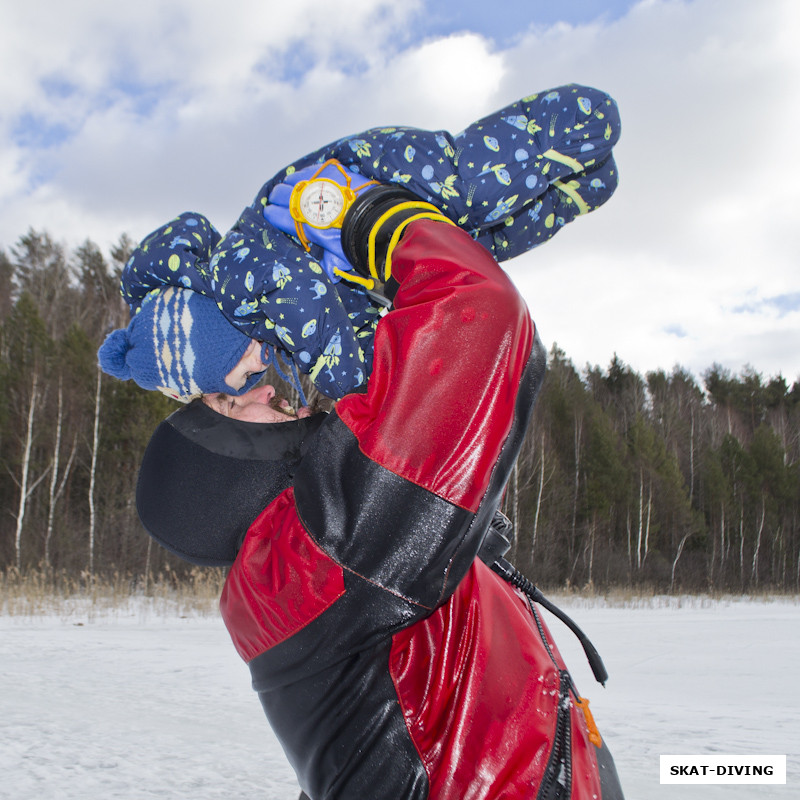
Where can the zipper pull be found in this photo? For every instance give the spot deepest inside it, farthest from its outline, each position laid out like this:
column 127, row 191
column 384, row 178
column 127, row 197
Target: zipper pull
column 594, row 733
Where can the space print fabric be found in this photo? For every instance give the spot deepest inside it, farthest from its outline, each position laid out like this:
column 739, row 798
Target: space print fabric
column 512, row 180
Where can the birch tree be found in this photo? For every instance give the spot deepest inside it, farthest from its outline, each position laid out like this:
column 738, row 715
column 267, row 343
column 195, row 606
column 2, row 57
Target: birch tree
column 93, row 472
column 56, row 485
column 25, row 344
column 25, row 490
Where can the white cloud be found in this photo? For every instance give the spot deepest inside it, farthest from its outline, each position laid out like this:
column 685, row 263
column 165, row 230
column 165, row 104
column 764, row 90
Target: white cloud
column 442, row 83
column 167, row 106
column 173, row 105
column 703, row 216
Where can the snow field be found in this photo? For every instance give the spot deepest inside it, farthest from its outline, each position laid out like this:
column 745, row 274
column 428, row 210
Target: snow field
column 144, row 706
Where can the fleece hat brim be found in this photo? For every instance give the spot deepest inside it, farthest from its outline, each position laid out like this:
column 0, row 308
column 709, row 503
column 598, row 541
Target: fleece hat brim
column 179, row 343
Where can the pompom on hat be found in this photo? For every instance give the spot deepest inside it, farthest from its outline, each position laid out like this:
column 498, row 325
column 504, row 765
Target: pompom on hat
column 179, row 343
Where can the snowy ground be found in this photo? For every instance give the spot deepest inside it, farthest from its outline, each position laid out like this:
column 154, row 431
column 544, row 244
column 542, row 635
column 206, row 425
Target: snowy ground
column 134, row 705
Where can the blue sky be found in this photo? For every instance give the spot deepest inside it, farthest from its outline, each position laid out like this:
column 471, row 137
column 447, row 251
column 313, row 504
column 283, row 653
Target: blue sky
column 115, row 118
column 514, row 17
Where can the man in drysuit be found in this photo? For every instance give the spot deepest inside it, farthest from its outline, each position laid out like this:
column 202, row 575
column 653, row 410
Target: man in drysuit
column 390, row 660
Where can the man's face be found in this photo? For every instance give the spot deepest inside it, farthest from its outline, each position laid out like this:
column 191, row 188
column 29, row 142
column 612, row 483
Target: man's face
column 249, row 364
column 257, row 405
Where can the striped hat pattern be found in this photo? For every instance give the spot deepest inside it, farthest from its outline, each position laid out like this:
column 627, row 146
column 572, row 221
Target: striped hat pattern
column 179, row 343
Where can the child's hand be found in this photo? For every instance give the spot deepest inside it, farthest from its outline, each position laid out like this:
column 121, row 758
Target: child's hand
column 313, row 212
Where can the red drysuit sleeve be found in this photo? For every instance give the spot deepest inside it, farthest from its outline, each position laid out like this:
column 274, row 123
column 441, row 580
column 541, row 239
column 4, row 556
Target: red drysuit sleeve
column 448, row 363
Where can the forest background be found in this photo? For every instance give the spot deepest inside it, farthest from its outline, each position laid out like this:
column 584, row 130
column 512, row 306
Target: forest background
column 656, row 482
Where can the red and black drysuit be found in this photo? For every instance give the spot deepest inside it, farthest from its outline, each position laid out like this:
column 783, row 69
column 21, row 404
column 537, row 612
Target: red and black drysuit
column 391, row 662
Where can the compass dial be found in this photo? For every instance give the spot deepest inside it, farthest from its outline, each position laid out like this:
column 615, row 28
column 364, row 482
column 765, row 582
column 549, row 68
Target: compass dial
column 321, row 203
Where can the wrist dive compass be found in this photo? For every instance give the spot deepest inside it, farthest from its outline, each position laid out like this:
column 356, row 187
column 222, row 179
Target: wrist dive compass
column 322, row 202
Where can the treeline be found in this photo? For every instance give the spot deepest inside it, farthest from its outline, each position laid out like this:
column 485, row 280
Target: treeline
column 654, row 481
column 659, row 482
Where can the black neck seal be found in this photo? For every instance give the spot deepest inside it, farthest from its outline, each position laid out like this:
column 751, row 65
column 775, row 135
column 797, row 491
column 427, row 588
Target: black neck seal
column 205, row 477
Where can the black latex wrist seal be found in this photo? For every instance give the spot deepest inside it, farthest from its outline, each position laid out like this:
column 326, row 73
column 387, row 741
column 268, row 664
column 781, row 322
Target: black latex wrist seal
column 361, row 220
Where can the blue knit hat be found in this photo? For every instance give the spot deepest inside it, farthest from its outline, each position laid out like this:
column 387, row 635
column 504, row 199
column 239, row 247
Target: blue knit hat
column 179, row 343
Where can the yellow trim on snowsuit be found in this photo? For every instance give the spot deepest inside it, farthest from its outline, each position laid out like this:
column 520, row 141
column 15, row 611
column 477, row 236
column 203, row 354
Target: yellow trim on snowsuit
column 570, row 190
column 567, row 161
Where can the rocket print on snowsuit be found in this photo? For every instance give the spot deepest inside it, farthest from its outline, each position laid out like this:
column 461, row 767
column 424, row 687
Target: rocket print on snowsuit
column 512, row 180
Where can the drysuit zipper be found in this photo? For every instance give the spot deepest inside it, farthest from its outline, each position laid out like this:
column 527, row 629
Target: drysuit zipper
column 557, row 779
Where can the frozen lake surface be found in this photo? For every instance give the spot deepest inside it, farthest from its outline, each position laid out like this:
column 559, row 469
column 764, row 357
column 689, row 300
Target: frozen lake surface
column 137, row 704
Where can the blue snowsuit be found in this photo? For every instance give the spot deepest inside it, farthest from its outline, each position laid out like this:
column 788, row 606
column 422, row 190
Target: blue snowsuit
column 511, row 179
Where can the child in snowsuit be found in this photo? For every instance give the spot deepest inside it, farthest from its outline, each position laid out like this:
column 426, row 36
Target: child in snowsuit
column 511, row 180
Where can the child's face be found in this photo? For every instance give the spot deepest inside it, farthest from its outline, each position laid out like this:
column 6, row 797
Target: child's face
column 249, row 364
column 257, row 405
